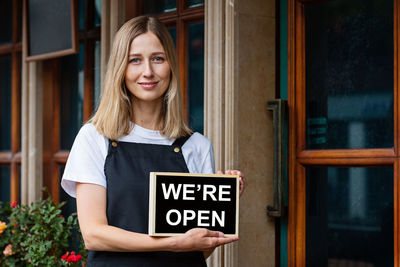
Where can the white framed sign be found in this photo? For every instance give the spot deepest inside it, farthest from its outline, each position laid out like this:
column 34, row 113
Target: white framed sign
column 179, row 202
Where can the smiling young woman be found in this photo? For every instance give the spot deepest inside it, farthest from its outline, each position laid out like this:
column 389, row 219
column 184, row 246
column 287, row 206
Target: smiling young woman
column 135, row 130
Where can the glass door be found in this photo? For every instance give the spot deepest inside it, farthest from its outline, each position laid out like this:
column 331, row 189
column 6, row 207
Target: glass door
column 343, row 133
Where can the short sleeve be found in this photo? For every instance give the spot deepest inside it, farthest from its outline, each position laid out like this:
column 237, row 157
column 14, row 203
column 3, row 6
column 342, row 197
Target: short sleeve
column 199, row 154
column 85, row 162
column 207, row 167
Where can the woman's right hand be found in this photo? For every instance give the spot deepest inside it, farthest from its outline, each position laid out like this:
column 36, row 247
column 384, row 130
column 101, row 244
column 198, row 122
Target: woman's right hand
column 201, row 239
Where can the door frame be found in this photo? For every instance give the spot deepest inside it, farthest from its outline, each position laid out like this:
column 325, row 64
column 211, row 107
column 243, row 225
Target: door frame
column 299, row 157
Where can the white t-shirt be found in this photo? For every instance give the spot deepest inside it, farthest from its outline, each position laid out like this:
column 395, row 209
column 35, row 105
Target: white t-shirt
column 86, row 160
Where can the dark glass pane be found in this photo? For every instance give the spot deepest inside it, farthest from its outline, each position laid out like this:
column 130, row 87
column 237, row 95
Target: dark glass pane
column 196, row 76
column 70, row 206
column 71, row 97
column 349, row 217
column 4, row 183
column 172, row 32
column 349, row 74
column 97, row 13
column 6, row 21
column 19, row 20
column 5, row 103
column 159, row 6
column 195, row 3
column 97, row 74
column 81, row 14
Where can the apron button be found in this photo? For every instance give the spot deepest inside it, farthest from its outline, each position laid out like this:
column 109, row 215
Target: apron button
column 114, row 144
column 176, row 149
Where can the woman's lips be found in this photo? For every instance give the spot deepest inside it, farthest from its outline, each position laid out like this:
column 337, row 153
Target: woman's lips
column 148, row 85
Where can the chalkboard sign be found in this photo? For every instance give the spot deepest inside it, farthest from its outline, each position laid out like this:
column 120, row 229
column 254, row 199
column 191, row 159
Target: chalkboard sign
column 50, row 28
column 182, row 201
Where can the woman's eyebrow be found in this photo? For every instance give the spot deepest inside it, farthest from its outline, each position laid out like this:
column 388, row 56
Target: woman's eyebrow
column 138, row 54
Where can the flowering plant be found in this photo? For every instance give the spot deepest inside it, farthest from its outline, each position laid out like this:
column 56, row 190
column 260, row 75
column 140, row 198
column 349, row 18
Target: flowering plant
column 38, row 235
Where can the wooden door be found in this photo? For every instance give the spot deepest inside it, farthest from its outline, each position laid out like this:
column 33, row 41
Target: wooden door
column 344, row 129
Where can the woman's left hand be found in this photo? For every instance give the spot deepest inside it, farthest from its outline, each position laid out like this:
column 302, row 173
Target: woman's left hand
column 242, row 180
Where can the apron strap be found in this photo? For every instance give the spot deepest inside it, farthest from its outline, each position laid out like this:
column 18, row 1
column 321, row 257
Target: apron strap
column 179, row 142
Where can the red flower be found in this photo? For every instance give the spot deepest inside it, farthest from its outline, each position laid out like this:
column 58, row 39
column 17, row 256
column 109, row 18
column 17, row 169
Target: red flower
column 74, row 258
column 64, row 257
column 14, row 204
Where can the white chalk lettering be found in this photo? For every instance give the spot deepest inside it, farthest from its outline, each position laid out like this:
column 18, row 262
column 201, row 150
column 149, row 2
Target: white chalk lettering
column 178, row 220
column 222, row 192
column 171, row 188
column 209, row 190
column 221, row 220
column 187, row 189
column 203, row 215
column 186, row 216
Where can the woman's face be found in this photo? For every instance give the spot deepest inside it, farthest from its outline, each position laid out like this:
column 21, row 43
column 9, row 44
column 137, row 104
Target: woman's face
column 147, row 75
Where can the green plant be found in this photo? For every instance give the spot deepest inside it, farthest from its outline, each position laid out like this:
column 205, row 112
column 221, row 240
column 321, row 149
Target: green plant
column 38, row 235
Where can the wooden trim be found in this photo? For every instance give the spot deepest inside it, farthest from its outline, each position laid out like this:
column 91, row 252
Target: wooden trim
column 300, row 88
column 5, row 157
column 349, row 153
column 396, row 230
column 396, row 76
column 61, row 157
column 55, row 179
column 88, row 99
column 17, row 157
column 14, row 182
column 15, row 103
column 292, row 185
column 301, row 216
column 347, row 161
column 132, row 9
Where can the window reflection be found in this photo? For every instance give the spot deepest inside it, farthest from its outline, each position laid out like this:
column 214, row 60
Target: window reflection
column 350, row 216
column 71, row 97
column 159, row 6
column 196, row 76
column 195, row 3
column 4, row 183
column 6, row 21
column 5, row 103
column 97, row 13
column 349, row 74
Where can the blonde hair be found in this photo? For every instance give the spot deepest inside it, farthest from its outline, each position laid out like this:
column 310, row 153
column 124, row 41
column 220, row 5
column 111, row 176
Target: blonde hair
column 113, row 116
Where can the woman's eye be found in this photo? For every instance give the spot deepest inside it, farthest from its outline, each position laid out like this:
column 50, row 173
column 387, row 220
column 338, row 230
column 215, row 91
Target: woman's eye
column 134, row 60
column 158, row 59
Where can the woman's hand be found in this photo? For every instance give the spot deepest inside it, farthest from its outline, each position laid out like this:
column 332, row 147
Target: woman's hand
column 242, row 181
column 201, row 239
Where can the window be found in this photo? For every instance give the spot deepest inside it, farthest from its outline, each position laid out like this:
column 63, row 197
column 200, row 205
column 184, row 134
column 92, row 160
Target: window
column 10, row 99
column 72, row 89
column 185, row 21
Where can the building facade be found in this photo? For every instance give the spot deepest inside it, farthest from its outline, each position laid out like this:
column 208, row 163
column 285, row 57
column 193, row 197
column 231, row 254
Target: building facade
column 328, row 170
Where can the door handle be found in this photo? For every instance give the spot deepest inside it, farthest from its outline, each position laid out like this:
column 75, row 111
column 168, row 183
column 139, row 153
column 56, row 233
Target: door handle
column 278, row 107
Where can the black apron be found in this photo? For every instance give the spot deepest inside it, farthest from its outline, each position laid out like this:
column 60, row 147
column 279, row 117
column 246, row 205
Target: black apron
column 127, row 168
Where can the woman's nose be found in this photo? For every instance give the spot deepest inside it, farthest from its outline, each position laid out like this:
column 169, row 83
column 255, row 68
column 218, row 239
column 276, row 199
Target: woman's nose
column 148, row 71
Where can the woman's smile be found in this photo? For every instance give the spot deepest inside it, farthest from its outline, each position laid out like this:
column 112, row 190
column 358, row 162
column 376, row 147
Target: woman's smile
column 148, row 85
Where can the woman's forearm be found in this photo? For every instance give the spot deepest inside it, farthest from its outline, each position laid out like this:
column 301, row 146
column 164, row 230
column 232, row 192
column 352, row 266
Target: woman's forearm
column 110, row 238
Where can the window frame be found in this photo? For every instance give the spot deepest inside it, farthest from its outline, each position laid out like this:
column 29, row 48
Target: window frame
column 300, row 158
column 53, row 156
column 13, row 157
